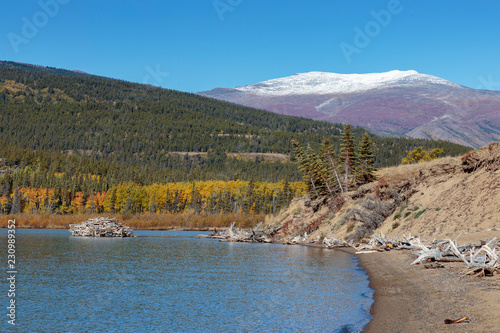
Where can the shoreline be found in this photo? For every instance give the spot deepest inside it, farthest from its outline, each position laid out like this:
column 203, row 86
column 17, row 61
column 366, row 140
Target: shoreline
column 414, row 299
column 152, row 228
column 181, row 221
column 144, row 229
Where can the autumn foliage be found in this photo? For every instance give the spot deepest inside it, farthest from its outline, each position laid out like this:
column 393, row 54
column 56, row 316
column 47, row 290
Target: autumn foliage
column 206, row 197
column 419, row 154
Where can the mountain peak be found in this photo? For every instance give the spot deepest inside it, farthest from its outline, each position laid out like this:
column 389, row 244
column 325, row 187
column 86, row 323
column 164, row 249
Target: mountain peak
column 321, row 83
column 394, row 103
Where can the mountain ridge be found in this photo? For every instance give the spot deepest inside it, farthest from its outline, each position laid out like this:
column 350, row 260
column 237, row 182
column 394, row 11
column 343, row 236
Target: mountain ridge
column 394, row 103
column 323, row 83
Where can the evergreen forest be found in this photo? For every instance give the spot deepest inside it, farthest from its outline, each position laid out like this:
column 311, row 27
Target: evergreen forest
column 71, row 142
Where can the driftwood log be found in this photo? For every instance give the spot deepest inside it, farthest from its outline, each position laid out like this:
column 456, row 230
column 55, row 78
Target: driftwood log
column 234, row 234
column 333, row 243
column 482, row 259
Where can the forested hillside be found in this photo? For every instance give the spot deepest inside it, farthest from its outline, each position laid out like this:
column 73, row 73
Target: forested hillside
column 132, row 124
column 76, row 143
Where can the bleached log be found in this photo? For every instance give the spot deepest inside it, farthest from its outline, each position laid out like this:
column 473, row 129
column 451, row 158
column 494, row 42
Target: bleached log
column 334, row 242
column 257, row 227
column 474, row 256
column 299, row 239
column 429, row 254
column 457, row 253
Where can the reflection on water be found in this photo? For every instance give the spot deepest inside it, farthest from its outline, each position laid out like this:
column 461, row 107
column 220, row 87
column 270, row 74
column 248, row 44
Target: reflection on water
column 171, row 281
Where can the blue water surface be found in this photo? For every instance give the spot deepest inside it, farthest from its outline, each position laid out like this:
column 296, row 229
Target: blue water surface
column 166, row 281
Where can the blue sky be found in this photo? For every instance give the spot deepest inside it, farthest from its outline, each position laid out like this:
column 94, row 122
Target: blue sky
column 195, row 45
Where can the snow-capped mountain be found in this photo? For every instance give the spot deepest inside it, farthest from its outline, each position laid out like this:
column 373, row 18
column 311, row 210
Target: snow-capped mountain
column 320, row 83
column 395, row 103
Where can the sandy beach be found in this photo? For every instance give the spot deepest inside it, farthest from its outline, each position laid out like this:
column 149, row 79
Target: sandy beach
column 416, row 299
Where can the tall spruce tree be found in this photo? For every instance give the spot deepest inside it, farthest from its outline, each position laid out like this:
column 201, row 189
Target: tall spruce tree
column 112, row 203
column 365, row 170
column 287, row 192
column 152, row 204
column 347, row 159
column 16, row 205
column 250, row 197
column 306, row 167
column 314, row 166
column 327, row 154
column 322, row 173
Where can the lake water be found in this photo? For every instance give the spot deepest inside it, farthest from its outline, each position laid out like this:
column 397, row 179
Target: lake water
column 173, row 282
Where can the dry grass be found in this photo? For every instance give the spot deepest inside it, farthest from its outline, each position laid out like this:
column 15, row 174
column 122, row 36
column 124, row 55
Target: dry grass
column 43, row 221
column 146, row 221
column 403, row 171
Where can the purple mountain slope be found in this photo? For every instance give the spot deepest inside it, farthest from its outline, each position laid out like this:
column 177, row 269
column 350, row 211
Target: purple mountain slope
column 396, row 103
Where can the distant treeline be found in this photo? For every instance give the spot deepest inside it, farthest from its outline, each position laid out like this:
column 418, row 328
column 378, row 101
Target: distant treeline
column 41, row 182
column 209, row 197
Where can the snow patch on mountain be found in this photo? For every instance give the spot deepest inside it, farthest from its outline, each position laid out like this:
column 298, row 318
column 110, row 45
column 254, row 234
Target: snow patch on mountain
column 321, row 83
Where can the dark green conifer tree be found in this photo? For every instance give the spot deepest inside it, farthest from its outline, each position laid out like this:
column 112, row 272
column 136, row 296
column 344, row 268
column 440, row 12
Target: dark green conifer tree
column 287, row 192
column 16, row 205
column 365, row 170
column 347, row 159
column 112, row 200
column 315, row 168
column 47, row 203
column 327, row 154
column 196, row 203
column 152, row 205
column 306, row 167
column 250, row 197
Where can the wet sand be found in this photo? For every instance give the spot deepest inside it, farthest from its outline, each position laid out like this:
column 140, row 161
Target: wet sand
column 415, row 299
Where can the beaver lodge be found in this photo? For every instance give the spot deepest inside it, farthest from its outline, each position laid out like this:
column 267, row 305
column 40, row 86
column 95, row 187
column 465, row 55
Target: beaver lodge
column 100, row 227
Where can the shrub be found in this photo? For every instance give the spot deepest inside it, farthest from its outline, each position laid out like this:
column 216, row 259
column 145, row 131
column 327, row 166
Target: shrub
column 372, row 214
column 321, row 238
column 419, row 213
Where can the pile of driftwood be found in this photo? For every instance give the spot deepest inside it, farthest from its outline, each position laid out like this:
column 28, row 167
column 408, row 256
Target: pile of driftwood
column 298, row 239
column 234, row 234
column 100, row 227
column 481, row 259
